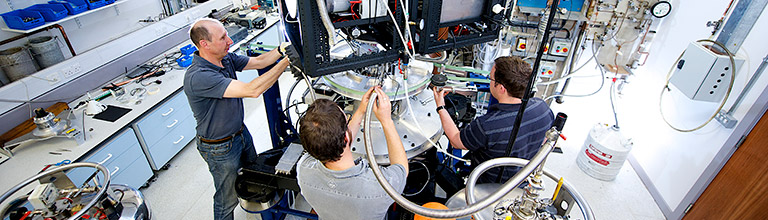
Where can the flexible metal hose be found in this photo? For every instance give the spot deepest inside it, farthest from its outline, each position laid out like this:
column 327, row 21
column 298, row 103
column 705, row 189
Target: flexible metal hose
column 436, row 213
column 90, row 204
column 326, row 21
column 586, row 210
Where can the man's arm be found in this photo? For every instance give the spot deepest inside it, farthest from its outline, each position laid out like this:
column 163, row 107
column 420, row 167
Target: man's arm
column 451, row 131
column 354, row 122
column 383, row 110
column 253, row 89
column 263, row 60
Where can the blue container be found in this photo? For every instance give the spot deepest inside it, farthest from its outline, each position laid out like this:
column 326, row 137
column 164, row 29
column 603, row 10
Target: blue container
column 94, row 4
column 51, row 12
column 109, row 1
column 73, row 6
column 189, row 49
column 23, row 19
column 184, row 61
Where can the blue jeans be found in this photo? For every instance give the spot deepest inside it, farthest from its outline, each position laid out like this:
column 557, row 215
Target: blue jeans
column 224, row 160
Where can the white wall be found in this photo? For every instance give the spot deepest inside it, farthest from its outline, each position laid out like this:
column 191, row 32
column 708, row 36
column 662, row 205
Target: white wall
column 674, row 161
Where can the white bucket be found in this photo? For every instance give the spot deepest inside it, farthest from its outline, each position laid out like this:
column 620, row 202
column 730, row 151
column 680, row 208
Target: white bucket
column 604, row 152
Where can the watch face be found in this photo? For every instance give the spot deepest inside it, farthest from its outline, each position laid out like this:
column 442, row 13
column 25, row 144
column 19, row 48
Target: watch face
column 661, row 9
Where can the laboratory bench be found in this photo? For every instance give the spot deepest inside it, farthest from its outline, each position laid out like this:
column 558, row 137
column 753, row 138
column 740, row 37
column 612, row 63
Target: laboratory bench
column 159, row 124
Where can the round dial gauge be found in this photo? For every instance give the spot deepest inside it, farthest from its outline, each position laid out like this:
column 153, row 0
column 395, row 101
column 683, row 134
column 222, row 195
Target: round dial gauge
column 661, row 9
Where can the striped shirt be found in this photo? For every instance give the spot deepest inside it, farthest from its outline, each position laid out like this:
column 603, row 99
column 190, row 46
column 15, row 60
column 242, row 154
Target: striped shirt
column 487, row 136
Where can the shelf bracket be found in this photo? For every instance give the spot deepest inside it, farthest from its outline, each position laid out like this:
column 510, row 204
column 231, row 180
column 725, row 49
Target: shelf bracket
column 117, row 11
column 10, row 5
column 77, row 20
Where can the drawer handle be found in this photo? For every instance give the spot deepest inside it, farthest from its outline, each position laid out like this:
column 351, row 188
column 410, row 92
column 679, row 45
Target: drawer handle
column 106, row 159
column 113, row 173
column 173, row 124
column 181, row 138
column 167, row 113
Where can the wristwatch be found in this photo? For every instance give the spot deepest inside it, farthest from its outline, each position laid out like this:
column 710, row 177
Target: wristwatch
column 439, row 108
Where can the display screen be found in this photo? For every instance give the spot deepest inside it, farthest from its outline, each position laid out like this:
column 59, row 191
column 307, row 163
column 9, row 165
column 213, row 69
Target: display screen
column 457, row 10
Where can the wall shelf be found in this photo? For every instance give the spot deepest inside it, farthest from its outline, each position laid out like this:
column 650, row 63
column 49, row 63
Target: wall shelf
column 71, row 17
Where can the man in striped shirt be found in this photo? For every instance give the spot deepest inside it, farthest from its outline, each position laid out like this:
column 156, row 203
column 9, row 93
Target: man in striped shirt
column 487, row 136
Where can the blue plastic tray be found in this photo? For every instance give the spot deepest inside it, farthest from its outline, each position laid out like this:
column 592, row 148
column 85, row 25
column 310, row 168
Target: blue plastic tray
column 189, row 49
column 51, row 12
column 94, row 4
column 73, row 6
column 184, row 61
column 23, row 19
column 110, row 1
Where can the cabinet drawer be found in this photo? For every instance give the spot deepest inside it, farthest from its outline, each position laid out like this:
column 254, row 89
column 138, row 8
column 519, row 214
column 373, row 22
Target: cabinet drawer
column 162, row 120
column 109, row 154
column 171, row 144
column 119, row 165
column 135, row 174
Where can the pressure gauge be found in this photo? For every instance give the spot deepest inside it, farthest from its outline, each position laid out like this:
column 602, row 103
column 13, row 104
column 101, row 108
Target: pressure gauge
column 661, row 9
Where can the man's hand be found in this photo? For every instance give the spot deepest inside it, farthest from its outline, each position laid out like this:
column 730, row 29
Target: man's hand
column 293, row 57
column 283, row 47
column 366, row 99
column 382, row 108
column 439, row 96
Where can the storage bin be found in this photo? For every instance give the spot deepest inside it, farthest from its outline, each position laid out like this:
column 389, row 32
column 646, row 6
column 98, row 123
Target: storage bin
column 184, row 61
column 94, row 4
column 50, row 12
column 23, row 19
column 73, row 6
column 189, row 49
column 109, row 1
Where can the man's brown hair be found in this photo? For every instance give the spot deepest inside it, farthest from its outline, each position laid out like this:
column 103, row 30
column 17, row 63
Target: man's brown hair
column 513, row 73
column 322, row 130
column 199, row 30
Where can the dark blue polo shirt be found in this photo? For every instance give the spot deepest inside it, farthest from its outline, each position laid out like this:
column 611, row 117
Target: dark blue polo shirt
column 204, row 84
column 487, row 136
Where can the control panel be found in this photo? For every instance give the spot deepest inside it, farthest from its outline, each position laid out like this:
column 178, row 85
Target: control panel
column 547, row 69
column 560, row 47
column 521, row 44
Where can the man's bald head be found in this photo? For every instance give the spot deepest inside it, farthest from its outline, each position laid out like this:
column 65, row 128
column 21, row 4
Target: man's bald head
column 199, row 30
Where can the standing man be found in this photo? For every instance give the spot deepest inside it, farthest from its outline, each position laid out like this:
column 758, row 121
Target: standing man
column 487, row 136
column 332, row 180
column 215, row 96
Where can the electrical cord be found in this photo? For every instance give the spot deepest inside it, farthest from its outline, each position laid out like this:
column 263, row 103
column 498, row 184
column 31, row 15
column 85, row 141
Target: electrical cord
column 602, row 80
column 429, row 177
column 570, row 73
column 613, row 107
column 397, row 27
column 722, row 103
column 418, row 125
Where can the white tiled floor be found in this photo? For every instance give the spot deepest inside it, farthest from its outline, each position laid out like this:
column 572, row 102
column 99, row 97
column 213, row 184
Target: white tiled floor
column 185, row 190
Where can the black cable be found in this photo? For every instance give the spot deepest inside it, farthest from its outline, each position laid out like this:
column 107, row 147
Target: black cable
column 529, row 87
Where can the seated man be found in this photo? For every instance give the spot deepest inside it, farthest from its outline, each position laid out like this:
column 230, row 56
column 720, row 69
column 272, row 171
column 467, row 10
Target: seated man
column 335, row 184
column 487, row 136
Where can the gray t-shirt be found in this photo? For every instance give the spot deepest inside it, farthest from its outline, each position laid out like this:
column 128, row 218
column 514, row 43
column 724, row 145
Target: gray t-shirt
column 353, row 193
column 204, row 84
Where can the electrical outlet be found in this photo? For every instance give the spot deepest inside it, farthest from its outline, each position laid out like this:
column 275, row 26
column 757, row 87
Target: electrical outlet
column 53, row 78
column 76, row 68
column 71, row 71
